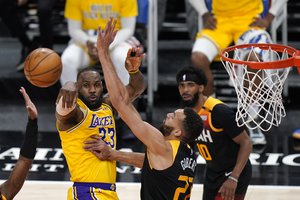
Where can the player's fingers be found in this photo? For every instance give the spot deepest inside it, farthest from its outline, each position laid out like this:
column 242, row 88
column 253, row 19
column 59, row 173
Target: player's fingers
column 114, row 23
column 133, row 52
column 107, row 26
column 137, row 51
column 87, row 145
column 58, row 98
column 221, row 192
column 63, row 101
column 254, row 23
column 91, row 142
column 68, row 99
column 23, row 92
column 129, row 52
column 62, row 96
column 96, row 137
column 111, row 26
column 91, row 146
column 99, row 34
column 211, row 25
column 140, row 52
column 25, row 96
column 98, row 155
column 87, row 148
column 228, row 194
column 115, row 33
column 71, row 99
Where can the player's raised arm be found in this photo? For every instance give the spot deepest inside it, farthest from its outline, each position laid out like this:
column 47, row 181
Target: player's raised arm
column 27, row 152
column 104, row 152
column 119, row 96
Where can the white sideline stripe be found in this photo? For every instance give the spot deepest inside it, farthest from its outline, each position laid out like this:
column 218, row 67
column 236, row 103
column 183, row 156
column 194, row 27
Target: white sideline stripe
column 48, row 190
column 68, row 183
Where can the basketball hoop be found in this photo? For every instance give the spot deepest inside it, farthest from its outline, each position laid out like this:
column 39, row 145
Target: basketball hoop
column 259, row 84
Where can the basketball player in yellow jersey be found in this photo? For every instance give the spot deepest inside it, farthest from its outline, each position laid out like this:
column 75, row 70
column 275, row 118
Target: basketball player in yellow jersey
column 225, row 23
column 15, row 181
column 83, row 19
column 83, row 112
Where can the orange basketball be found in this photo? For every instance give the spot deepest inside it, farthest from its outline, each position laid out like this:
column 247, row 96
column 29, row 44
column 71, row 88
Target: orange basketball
column 43, row 67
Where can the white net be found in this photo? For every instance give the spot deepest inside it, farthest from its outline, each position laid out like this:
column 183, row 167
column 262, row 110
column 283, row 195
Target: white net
column 259, row 91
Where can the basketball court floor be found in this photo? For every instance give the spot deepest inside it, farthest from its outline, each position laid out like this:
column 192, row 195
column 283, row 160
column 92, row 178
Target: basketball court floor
column 276, row 165
column 130, row 191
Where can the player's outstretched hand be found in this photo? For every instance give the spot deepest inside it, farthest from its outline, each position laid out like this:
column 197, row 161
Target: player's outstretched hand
column 106, row 36
column 134, row 59
column 31, row 109
column 68, row 94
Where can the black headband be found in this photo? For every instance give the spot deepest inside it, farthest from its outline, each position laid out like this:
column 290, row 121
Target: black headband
column 189, row 77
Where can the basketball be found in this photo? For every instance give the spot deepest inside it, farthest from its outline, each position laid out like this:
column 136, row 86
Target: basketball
column 43, row 67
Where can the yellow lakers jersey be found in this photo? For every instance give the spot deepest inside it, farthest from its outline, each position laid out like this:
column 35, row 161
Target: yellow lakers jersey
column 94, row 13
column 83, row 165
column 237, row 7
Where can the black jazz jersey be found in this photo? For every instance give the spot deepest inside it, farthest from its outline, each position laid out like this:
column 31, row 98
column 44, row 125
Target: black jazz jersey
column 173, row 183
column 215, row 143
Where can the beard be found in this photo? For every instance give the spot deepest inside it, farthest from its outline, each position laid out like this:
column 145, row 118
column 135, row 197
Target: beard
column 91, row 105
column 190, row 103
column 165, row 130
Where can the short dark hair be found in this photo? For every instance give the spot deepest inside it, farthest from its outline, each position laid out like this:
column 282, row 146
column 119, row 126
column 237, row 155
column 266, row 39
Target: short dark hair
column 192, row 125
column 194, row 74
column 86, row 69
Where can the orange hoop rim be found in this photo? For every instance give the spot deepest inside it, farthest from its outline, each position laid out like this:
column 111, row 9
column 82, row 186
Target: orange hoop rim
column 294, row 60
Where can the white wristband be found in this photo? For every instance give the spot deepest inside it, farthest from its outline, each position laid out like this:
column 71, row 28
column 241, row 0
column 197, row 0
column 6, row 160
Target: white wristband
column 234, row 179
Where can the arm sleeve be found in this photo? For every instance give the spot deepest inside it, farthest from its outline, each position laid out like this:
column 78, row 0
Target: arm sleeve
column 28, row 148
column 200, row 6
column 76, row 32
column 276, row 5
column 226, row 120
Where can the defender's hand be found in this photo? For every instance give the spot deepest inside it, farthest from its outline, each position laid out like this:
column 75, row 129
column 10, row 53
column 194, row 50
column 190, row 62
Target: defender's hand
column 106, row 36
column 99, row 148
column 134, row 59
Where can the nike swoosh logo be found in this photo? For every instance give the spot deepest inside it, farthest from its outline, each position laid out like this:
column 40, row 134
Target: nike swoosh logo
column 227, row 174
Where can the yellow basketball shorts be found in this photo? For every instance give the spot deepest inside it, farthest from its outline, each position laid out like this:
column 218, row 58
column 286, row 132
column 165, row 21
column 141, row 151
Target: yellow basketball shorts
column 228, row 30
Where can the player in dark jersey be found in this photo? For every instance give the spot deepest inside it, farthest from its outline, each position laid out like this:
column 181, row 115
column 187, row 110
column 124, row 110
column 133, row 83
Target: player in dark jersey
column 14, row 183
column 225, row 146
column 169, row 165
